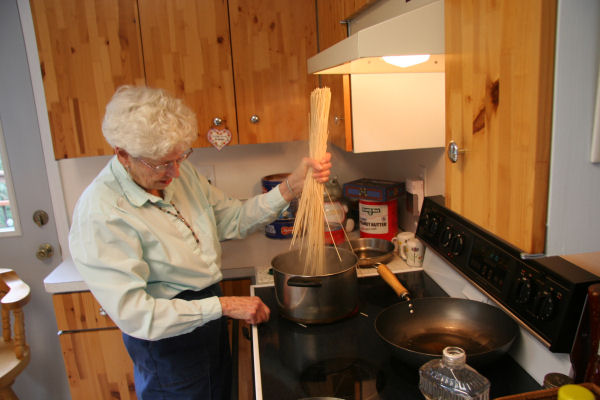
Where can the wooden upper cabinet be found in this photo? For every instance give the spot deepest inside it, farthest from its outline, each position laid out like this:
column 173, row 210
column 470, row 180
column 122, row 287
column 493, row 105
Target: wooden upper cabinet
column 271, row 41
column 330, row 17
column 87, row 48
column 187, row 51
column 499, row 86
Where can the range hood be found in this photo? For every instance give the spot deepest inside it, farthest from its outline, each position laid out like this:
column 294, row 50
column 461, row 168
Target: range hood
column 415, row 32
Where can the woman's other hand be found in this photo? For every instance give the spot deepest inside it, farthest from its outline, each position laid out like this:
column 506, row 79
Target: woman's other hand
column 295, row 181
column 250, row 309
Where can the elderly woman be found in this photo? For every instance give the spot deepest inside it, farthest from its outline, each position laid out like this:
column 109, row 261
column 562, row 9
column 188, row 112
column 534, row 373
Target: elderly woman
column 145, row 238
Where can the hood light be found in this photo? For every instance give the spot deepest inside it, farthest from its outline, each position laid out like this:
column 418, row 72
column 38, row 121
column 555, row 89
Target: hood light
column 406, row 61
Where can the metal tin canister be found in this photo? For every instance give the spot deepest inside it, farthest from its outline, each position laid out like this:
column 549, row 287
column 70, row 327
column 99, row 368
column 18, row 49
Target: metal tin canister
column 378, row 219
column 283, row 226
column 377, row 206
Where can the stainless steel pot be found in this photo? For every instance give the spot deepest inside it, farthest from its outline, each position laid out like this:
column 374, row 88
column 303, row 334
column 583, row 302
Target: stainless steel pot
column 316, row 299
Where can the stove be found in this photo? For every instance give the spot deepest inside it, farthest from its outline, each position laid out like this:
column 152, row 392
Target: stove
column 347, row 359
column 544, row 295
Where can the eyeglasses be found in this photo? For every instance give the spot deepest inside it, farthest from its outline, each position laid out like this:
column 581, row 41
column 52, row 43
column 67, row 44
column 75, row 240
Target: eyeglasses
column 166, row 166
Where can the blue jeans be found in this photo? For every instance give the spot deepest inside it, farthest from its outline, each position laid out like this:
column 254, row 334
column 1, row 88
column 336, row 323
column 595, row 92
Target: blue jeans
column 195, row 365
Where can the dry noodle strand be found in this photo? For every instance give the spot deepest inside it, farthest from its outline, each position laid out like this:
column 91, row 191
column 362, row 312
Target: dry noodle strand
column 309, row 224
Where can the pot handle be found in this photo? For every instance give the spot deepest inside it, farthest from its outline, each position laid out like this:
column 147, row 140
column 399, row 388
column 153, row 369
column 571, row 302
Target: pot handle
column 389, row 277
column 304, row 282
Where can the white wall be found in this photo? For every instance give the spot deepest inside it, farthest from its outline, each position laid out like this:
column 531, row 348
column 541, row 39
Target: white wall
column 239, row 169
column 573, row 209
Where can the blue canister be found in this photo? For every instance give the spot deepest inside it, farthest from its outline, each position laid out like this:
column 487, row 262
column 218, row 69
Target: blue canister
column 282, row 227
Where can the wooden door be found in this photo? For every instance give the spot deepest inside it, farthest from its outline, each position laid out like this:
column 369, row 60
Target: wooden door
column 24, row 180
column 87, row 48
column 271, row 41
column 187, row 52
column 499, row 75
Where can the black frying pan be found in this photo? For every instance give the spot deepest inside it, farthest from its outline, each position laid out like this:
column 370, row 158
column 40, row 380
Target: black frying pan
column 485, row 332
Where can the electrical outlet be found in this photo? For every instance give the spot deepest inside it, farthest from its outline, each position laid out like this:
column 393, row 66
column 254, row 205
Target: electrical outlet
column 208, row 171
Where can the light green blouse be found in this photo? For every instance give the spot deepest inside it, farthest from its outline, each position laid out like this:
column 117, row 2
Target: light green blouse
column 135, row 258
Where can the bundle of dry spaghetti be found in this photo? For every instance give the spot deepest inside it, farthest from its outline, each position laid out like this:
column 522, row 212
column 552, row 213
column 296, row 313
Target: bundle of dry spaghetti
column 309, row 221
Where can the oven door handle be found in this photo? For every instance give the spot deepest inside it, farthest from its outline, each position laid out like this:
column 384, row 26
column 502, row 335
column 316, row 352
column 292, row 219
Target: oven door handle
column 304, row 282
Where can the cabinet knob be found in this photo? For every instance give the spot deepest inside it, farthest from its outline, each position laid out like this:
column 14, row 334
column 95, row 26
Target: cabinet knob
column 337, row 119
column 217, row 121
column 454, row 151
column 102, row 312
column 254, row 119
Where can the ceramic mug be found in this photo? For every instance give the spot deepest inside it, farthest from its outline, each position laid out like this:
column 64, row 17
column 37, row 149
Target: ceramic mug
column 400, row 239
column 412, row 252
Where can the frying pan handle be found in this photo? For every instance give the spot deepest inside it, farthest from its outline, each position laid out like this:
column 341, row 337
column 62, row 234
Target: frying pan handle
column 389, row 277
column 304, row 282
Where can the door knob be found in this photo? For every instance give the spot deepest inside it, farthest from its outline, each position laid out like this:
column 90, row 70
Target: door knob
column 454, row 151
column 44, row 251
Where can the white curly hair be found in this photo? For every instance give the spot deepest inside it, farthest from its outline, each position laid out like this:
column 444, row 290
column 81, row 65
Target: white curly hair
column 148, row 122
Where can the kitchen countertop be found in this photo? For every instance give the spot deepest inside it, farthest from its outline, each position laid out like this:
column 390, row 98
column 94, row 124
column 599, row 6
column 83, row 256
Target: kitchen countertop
column 245, row 258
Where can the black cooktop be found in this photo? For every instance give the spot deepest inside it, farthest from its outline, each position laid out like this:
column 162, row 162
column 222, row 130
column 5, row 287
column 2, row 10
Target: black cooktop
column 348, row 360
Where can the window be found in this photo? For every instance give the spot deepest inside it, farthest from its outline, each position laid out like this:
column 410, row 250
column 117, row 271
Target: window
column 8, row 214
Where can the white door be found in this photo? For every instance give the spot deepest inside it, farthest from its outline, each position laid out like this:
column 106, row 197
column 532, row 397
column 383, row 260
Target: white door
column 23, row 160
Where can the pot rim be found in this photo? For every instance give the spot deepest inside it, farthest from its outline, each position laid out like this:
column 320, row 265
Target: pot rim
column 349, row 252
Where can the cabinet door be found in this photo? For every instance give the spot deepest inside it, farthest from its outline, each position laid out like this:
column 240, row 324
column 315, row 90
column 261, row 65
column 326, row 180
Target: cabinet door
column 271, row 41
column 331, row 30
column 499, row 75
column 97, row 365
column 79, row 311
column 87, row 48
column 187, row 52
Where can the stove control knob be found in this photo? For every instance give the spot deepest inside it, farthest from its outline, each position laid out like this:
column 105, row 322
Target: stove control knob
column 456, row 244
column 425, row 223
column 434, row 225
column 446, row 236
column 524, row 290
column 546, row 306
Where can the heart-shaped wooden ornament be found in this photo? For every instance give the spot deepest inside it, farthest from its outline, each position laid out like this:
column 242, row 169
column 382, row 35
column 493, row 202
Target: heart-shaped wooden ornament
column 219, row 137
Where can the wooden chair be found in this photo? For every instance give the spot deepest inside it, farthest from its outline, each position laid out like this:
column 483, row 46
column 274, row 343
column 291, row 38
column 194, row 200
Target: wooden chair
column 14, row 352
